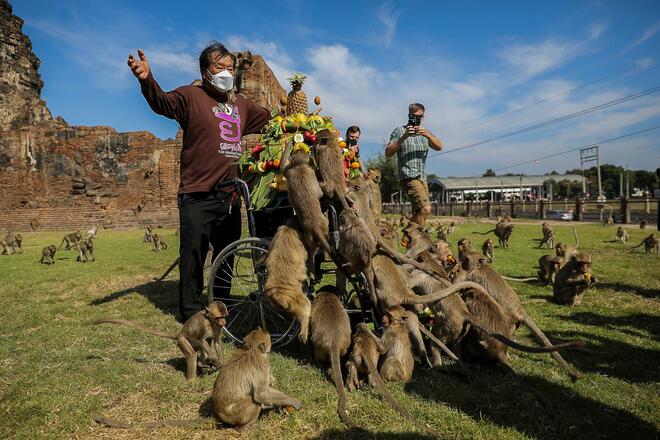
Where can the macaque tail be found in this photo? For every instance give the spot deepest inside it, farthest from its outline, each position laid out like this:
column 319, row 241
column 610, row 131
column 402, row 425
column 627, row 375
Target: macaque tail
column 521, row 280
column 439, row 343
column 110, row 423
column 137, row 326
column 391, row 400
column 484, row 233
column 577, row 239
column 526, row 348
column 530, row 324
column 341, row 392
column 451, row 290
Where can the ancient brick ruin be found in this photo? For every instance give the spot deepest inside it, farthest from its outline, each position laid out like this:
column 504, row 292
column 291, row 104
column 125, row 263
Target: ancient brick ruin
column 73, row 176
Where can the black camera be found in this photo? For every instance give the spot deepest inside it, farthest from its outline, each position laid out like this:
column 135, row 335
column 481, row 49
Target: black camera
column 414, row 120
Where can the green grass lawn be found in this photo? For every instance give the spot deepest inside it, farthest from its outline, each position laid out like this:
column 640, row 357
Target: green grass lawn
column 57, row 372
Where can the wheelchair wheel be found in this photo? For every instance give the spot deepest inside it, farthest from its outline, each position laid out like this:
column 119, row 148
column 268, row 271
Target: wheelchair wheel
column 242, row 265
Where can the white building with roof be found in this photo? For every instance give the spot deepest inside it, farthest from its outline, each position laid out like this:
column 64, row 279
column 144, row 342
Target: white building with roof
column 496, row 187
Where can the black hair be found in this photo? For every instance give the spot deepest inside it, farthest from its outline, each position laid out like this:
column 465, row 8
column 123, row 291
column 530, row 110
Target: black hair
column 205, row 58
column 353, row 129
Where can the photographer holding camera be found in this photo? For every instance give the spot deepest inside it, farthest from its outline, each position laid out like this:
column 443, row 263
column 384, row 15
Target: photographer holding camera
column 411, row 144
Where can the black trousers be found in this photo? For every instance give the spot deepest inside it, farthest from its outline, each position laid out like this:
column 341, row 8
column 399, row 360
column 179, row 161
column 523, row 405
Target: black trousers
column 204, row 218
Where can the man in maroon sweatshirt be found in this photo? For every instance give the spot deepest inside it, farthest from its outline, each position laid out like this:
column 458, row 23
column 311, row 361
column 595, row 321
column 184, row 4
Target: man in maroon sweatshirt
column 213, row 119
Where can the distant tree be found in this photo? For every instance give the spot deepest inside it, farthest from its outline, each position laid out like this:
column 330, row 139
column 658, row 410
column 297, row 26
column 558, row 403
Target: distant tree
column 489, row 173
column 644, row 180
column 611, row 179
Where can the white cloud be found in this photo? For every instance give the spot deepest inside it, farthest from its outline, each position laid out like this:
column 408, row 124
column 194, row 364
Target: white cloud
column 534, row 59
column 388, row 17
column 460, row 106
column 177, row 62
column 646, row 34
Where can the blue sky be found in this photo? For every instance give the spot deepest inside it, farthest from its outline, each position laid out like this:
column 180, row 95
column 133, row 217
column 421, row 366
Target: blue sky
column 482, row 69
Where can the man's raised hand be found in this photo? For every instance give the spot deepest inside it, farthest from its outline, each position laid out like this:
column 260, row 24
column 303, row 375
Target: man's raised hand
column 140, row 68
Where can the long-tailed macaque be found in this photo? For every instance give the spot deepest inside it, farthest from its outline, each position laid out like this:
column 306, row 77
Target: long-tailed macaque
column 363, row 360
column 159, row 243
column 330, row 335
column 482, row 273
column 548, row 235
column 192, row 339
column 35, row 224
column 286, row 266
column 242, row 388
column 621, row 234
column 549, row 266
column 567, row 251
column 651, row 243
column 305, row 194
column 357, row 245
column 85, row 250
column 488, row 250
column 330, row 167
column 372, row 179
column 401, row 329
column 11, row 242
column 148, row 234
column 48, row 254
column 71, row 239
column 573, row 279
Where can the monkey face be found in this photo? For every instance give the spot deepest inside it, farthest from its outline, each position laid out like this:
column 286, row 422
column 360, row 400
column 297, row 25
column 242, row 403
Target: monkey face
column 442, row 252
column 464, row 245
column 347, row 216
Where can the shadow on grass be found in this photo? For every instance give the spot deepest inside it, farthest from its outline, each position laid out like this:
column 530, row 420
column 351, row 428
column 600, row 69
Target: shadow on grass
column 629, row 288
column 162, row 294
column 641, row 321
column 492, row 397
column 357, row 433
column 613, row 358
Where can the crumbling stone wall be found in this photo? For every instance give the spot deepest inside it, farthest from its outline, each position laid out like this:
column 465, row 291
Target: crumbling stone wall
column 20, row 83
column 74, row 176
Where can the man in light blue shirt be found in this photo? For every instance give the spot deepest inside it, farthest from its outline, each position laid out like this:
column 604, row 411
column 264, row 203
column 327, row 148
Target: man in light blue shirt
column 411, row 144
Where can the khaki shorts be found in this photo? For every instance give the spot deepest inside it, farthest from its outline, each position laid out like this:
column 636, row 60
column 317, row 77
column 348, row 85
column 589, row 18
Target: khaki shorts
column 418, row 193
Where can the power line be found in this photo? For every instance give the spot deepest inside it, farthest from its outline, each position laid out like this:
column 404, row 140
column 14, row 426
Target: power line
column 555, row 120
column 634, row 133
column 634, row 69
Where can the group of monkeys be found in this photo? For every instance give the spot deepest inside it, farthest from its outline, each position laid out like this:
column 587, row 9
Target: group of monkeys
column 651, row 243
column 151, row 237
column 83, row 245
column 11, row 243
column 471, row 310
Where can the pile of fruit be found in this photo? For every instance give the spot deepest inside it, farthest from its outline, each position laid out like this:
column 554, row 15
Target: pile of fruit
column 260, row 166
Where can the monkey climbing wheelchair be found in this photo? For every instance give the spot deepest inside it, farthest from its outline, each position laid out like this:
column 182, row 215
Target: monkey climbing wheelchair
column 242, row 264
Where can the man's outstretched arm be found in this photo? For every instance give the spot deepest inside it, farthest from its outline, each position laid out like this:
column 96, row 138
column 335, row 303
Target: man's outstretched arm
column 171, row 104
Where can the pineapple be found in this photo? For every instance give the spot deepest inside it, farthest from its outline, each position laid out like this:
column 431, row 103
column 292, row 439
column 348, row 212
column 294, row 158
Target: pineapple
column 296, row 101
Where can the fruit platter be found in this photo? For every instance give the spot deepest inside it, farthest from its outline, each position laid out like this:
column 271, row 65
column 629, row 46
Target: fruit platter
column 291, row 128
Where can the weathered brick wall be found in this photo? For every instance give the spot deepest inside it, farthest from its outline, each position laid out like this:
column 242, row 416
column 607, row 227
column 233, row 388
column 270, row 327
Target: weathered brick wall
column 127, row 178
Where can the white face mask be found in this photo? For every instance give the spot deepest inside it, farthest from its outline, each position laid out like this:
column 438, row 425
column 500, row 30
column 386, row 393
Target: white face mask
column 223, row 81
